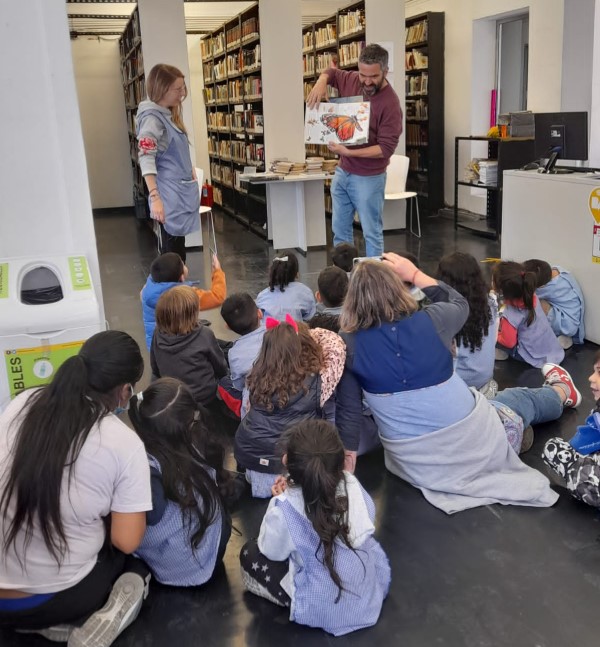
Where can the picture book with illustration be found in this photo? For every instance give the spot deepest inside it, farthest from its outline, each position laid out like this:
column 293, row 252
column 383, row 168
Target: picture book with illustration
column 341, row 123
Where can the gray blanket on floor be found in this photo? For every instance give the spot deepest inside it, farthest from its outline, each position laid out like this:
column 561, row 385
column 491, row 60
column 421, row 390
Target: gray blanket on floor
column 468, row 464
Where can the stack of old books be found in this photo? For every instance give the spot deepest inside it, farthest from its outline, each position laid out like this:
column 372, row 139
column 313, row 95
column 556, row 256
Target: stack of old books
column 314, row 165
column 329, row 165
column 297, row 168
column 282, row 167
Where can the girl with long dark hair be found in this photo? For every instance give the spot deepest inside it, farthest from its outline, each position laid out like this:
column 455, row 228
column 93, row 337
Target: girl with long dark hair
column 285, row 294
column 294, row 375
column 74, row 491
column 476, row 340
column 524, row 332
column 316, row 552
column 188, row 528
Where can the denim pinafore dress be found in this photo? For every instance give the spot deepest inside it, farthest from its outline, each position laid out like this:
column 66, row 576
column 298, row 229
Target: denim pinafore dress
column 365, row 576
column 178, row 190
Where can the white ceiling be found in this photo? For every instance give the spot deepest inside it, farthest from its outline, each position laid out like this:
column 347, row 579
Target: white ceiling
column 199, row 16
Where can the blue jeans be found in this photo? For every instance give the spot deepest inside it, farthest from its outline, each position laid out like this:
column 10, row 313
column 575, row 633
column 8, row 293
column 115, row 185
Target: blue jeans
column 533, row 405
column 364, row 194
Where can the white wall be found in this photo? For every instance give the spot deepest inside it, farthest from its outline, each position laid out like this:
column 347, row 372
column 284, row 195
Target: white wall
column 103, row 120
column 578, row 39
column 283, row 95
column 196, row 83
column 385, row 23
column 46, row 206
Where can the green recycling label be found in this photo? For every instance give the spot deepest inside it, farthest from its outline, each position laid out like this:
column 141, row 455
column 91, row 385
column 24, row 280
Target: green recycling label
column 80, row 274
column 29, row 367
column 3, row 280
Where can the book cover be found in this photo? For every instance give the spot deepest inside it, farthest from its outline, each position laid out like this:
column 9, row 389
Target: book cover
column 341, row 123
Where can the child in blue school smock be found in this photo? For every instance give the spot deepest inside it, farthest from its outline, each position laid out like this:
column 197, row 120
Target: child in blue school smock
column 524, row 332
column 188, row 528
column 561, row 299
column 316, row 553
column 285, row 294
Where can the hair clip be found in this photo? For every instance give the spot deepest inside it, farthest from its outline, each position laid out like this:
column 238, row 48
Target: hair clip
column 283, row 259
column 271, row 322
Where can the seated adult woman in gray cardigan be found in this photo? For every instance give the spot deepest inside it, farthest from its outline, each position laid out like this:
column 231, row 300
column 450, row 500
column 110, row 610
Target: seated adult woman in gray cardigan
column 437, row 434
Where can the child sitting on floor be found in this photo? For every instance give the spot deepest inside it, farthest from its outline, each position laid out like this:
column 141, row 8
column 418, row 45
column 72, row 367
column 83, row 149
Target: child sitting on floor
column 333, row 285
column 188, row 528
column 241, row 315
column 286, row 295
column 476, row 340
column 343, row 256
column 578, row 460
column 524, row 332
column 291, row 380
column 316, row 553
column 561, row 299
column 168, row 270
column 185, row 349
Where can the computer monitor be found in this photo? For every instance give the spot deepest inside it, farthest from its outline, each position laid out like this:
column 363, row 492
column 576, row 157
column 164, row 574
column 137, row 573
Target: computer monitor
column 561, row 135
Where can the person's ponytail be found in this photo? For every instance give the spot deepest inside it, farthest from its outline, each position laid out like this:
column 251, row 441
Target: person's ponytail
column 54, row 424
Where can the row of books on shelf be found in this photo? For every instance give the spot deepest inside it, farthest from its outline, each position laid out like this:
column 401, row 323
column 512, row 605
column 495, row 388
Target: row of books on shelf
column 326, row 35
column 416, row 109
column 223, row 174
column 416, row 135
column 131, row 37
column 237, row 90
column 417, row 32
column 245, row 60
column 332, row 93
column 217, row 195
column 415, row 60
column 322, row 62
column 237, row 120
column 308, row 41
column 413, row 159
column 249, row 28
column 219, row 43
column 351, row 22
column 417, row 84
column 237, row 151
column 135, row 92
column 349, row 53
column 133, row 66
column 233, row 36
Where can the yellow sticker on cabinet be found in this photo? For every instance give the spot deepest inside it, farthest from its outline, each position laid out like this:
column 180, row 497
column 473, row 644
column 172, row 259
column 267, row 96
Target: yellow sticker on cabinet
column 595, row 204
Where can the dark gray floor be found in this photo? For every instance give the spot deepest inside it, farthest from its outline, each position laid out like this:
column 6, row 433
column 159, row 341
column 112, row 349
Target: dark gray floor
column 495, row 576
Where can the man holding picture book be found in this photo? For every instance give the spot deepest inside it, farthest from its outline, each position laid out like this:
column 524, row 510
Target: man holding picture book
column 359, row 180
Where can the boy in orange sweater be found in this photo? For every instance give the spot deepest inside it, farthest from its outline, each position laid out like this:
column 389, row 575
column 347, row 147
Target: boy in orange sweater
column 168, row 270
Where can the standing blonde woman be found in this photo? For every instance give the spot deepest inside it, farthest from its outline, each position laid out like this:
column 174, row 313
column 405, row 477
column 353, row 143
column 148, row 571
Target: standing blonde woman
column 164, row 154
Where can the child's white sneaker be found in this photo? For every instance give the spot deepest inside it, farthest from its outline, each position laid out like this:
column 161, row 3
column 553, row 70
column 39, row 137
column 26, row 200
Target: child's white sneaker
column 556, row 374
column 121, row 609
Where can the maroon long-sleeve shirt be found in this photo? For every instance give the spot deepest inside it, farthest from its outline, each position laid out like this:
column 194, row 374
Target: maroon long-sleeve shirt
column 385, row 125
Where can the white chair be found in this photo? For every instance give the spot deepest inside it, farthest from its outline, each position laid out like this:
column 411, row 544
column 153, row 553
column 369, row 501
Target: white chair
column 394, row 217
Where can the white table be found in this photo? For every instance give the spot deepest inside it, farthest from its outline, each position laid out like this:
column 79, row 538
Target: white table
column 548, row 217
column 295, row 209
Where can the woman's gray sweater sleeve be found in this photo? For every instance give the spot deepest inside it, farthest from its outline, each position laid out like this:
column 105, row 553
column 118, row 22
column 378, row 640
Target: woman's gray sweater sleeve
column 152, row 139
column 448, row 311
